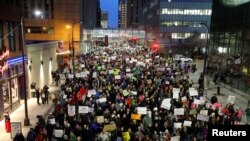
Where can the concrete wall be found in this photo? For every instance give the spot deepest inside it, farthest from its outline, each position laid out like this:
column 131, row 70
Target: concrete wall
column 41, row 73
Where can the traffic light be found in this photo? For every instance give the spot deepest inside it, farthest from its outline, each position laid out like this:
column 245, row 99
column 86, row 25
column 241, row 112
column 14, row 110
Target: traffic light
column 155, row 47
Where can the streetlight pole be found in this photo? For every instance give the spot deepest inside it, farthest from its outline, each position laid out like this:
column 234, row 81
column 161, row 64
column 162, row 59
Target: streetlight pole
column 72, row 45
column 26, row 119
column 205, row 56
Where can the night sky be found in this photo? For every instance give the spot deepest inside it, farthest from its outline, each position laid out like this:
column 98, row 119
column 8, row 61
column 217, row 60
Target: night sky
column 112, row 7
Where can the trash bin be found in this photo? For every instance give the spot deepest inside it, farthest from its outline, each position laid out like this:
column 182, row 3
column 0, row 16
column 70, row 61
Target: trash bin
column 7, row 122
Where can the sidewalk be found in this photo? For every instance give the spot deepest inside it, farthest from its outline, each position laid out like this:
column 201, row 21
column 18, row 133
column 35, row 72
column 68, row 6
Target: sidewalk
column 33, row 110
column 241, row 98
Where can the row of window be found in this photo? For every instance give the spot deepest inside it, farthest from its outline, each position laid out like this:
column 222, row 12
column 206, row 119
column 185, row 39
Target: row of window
column 39, row 30
column 181, row 23
column 186, row 11
column 186, row 35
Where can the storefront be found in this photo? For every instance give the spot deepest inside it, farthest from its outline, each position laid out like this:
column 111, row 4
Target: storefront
column 11, row 84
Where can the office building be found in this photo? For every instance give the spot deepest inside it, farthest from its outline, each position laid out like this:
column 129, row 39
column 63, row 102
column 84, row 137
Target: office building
column 175, row 22
column 122, row 14
column 104, row 19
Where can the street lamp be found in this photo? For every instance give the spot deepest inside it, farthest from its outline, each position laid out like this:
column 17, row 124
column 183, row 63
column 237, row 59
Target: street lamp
column 205, row 56
column 26, row 119
column 72, row 45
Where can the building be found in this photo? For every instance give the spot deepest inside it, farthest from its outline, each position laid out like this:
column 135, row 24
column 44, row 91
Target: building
column 122, row 14
column 176, row 22
column 230, row 32
column 11, row 68
column 104, row 19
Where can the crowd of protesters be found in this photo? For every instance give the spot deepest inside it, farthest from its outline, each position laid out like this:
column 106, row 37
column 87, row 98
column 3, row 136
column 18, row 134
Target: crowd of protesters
column 119, row 93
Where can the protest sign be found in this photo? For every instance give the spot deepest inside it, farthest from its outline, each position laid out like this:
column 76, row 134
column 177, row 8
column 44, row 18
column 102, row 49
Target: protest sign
column 52, row 121
column 111, row 71
column 94, row 75
column 125, row 93
column 71, row 110
column 203, row 117
column 109, row 127
column 78, row 75
column 118, row 77
column 184, row 99
column 71, row 76
column 231, row 99
column 100, row 119
column 193, row 92
column 196, row 101
column 91, row 92
column 102, row 100
column 178, row 111
column 135, row 116
column 166, row 103
column 128, row 70
column 176, row 93
column 175, row 138
column 134, row 92
column 177, row 125
column 142, row 110
column 129, row 74
column 187, row 123
column 58, row 133
column 203, row 112
column 83, row 109
column 83, row 75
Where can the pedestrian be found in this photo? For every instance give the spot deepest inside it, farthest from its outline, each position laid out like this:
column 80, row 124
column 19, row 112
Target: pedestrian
column 31, row 136
column 7, row 122
column 38, row 96
column 41, row 136
column 247, row 111
column 43, row 96
column 19, row 137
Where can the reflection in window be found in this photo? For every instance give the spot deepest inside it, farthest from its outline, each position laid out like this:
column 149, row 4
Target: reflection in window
column 181, row 23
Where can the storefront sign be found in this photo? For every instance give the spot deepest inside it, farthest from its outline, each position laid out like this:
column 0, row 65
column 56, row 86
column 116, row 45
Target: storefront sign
column 15, row 129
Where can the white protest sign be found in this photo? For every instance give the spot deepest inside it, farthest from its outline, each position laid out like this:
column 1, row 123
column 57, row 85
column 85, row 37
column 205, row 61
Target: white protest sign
column 176, row 93
column 202, row 117
column 117, row 77
column 177, row 125
column 52, row 121
column 82, row 65
column 187, row 123
column 128, row 70
column 83, row 109
column 184, row 99
column 58, row 133
column 91, row 92
column 129, row 74
column 203, row 112
column 78, row 75
column 231, row 99
column 102, row 100
column 167, row 82
column 166, row 103
column 178, row 111
column 71, row 110
column 94, row 74
column 111, row 71
column 83, row 75
column 134, row 92
column 70, row 76
column 175, row 138
column 142, row 110
column 196, row 101
column 64, row 96
column 193, row 92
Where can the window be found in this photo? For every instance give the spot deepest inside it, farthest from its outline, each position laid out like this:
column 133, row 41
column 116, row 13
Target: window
column 186, row 11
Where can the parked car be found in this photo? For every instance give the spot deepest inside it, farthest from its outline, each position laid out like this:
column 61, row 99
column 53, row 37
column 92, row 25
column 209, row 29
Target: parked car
column 179, row 57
